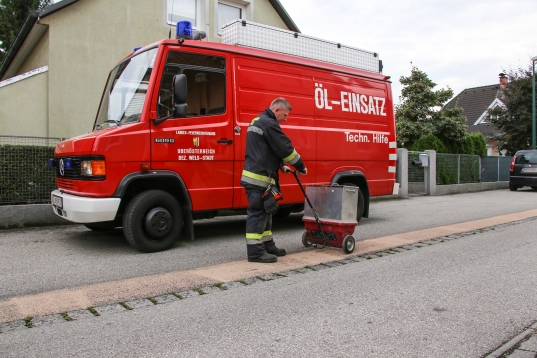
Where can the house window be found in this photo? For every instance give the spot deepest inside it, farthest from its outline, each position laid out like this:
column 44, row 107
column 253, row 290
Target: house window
column 228, row 13
column 179, row 10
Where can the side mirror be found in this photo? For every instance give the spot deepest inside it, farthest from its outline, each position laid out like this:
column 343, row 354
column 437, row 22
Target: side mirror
column 180, row 107
column 179, row 96
column 179, row 89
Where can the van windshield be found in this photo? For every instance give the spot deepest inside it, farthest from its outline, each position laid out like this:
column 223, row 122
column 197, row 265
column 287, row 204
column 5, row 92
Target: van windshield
column 125, row 91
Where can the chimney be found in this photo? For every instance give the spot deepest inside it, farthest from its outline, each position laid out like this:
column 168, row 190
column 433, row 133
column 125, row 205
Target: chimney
column 503, row 81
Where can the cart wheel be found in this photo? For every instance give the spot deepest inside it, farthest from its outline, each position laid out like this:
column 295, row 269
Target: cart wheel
column 348, row 244
column 306, row 239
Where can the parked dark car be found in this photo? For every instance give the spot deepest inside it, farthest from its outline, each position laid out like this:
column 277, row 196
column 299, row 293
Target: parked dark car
column 523, row 170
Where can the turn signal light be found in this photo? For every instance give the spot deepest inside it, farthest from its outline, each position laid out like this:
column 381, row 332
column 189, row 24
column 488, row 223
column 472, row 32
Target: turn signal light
column 145, row 167
column 98, row 168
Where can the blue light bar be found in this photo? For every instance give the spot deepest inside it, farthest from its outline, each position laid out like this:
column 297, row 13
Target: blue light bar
column 67, row 163
column 184, row 30
column 51, row 163
column 136, row 49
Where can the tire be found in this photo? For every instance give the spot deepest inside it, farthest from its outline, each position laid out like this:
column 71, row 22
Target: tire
column 153, row 221
column 534, row 187
column 513, row 187
column 361, row 203
column 306, row 239
column 348, row 244
column 101, row 226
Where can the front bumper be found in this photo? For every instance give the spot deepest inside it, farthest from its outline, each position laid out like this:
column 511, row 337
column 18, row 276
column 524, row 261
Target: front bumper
column 82, row 209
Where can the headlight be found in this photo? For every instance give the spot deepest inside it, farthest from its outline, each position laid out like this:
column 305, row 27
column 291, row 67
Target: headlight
column 92, row 167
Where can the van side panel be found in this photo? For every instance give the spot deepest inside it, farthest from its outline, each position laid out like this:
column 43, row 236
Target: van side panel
column 355, row 126
column 258, row 83
column 339, row 122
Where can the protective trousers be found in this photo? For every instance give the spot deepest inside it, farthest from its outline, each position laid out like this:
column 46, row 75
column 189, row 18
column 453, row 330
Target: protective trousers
column 258, row 224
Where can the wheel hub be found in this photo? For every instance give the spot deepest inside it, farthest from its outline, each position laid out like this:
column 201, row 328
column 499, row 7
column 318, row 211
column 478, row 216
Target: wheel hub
column 158, row 223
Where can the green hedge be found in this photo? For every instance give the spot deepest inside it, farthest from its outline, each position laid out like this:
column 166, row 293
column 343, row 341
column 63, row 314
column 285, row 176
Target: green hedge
column 25, row 177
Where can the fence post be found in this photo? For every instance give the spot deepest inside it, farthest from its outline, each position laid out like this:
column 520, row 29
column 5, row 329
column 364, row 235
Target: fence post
column 402, row 172
column 430, row 173
column 458, row 169
column 498, row 161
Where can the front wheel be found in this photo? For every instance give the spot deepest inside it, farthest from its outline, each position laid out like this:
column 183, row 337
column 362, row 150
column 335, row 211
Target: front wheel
column 153, row 221
column 306, row 239
column 513, row 187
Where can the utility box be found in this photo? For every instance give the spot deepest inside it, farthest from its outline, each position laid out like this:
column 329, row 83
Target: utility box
column 334, row 203
column 424, row 159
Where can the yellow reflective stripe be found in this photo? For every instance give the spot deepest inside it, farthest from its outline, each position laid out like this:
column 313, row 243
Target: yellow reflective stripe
column 254, row 236
column 290, row 157
column 253, row 120
column 267, row 233
column 258, row 177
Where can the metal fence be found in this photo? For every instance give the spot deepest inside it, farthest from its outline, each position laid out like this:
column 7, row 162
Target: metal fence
column 457, row 168
column 25, row 177
column 495, row 168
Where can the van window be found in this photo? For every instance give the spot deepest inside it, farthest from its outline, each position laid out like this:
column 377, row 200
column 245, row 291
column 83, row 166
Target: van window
column 206, row 83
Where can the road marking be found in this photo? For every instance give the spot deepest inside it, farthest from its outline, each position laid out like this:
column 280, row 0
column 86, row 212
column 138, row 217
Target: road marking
column 147, row 286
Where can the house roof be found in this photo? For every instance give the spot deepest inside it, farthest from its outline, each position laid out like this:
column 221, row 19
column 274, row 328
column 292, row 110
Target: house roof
column 475, row 101
column 28, row 36
column 30, row 32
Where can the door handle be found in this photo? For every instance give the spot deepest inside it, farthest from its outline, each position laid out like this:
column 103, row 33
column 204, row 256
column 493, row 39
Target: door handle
column 225, row 141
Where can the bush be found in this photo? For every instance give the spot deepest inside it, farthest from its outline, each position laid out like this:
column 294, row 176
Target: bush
column 479, row 145
column 429, row 142
column 25, row 177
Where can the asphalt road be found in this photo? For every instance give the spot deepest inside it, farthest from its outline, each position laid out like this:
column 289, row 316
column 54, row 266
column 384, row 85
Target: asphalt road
column 458, row 298
column 51, row 258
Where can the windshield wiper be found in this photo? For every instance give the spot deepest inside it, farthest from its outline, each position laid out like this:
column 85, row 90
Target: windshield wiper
column 100, row 126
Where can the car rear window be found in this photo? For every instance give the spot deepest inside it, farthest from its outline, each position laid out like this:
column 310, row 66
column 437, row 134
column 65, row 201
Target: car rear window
column 526, row 158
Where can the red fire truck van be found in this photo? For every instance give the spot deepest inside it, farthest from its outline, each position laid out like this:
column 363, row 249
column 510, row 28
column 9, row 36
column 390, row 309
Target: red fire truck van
column 168, row 141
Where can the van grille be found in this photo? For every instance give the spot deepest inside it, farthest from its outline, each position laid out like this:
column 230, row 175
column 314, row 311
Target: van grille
column 62, row 172
column 65, row 184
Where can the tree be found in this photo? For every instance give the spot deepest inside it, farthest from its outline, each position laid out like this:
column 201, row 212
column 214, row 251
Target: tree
column 419, row 113
column 514, row 120
column 12, row 15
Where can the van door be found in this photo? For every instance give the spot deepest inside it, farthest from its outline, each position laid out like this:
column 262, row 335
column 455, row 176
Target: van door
column 199, row 147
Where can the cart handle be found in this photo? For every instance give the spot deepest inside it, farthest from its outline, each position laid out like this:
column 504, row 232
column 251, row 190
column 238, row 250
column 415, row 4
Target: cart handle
column 311, row 206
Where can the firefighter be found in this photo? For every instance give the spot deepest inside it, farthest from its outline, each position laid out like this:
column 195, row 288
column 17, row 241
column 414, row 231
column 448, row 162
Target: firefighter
column 268, row 150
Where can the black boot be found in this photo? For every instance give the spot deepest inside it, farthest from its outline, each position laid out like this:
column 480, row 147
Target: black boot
column 271, row 248
column 257, row 253
column 265, row 258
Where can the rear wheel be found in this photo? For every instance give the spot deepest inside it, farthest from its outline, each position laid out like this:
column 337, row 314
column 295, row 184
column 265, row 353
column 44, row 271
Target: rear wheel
column 361, row 203
column 101, row 226
column 513, row 187
column 348, row 244
column 153, row 221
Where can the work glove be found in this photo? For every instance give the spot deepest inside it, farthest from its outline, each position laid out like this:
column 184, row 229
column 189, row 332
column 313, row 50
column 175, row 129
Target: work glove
column 271, row 205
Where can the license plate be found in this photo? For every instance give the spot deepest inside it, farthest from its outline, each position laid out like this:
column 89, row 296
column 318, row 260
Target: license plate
column 57, row 201
column 529, row 170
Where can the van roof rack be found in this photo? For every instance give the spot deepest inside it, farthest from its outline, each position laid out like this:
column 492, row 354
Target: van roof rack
column 264, row 37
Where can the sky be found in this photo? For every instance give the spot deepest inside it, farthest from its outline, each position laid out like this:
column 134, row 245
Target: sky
column 457, row 43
